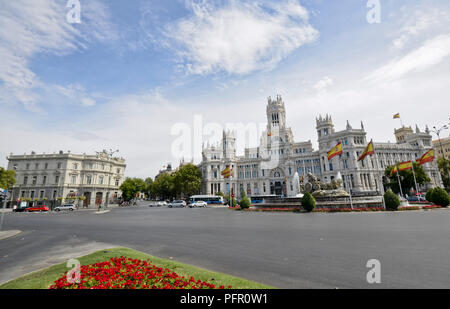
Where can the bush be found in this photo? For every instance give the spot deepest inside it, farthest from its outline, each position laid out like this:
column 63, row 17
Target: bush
column 392, row 200
column 308, row 202
column 245, row 203
column 429, row 195
column 440, row 197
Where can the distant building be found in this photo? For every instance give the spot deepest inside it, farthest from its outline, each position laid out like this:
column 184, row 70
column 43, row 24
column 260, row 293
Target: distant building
column 270, row 168
column 442, row 147
column 52, row 176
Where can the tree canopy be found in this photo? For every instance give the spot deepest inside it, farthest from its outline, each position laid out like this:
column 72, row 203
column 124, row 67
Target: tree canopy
column 406, row 179
column 7, row 179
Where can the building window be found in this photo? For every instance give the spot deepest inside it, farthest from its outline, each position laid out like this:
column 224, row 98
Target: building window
column 28, row 166
column 100, row 180
column 41, row 194
column 36, row 166
column 34, row 181
column 46, row 166
column 59, row 165
column 75, row 166
column 89, row 179
column 118, row 171
column 44, row 180
column 57, row 179
column 117, row 182
column 74, row 179
column 25, row 180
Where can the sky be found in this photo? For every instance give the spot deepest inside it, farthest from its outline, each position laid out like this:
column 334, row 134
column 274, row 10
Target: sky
column 130, row 74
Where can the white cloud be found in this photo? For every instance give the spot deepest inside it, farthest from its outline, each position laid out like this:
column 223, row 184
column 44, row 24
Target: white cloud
column 419, row 22
column 28, row 28
column 431, row 53
column 323, row 84
column 239, row 38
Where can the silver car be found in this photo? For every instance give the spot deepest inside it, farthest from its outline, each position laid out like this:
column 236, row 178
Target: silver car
column 70, row 207
column 177, row 204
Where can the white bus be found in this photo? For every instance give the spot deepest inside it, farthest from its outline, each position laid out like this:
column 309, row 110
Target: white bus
column 209, row 199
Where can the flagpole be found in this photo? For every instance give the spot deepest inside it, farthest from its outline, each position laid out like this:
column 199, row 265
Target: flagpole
column 414, row 175
column 347, row 183
column 380, row 179
column 399, row 184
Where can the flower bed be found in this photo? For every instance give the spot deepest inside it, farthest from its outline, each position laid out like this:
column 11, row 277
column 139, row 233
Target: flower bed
column 364, row 209
column 127, row 273
column 406, row 208
column 431, row 207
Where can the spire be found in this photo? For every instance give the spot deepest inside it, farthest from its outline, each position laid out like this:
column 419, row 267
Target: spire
column 362, row 126
column 349, row 127
column 417, row 129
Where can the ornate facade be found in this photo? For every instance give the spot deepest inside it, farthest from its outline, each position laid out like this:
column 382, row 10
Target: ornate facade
column 269, row 169
column 52, row 176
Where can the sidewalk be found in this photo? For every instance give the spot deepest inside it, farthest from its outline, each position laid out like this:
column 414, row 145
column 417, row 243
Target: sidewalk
column 5, row 210
column 7, row 234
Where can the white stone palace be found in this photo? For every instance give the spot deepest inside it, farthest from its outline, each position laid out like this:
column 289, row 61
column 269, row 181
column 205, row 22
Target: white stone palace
column 269, row 169
column 61, row 175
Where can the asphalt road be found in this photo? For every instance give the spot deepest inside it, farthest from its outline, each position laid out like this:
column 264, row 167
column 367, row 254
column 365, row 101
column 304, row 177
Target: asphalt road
column 282, row 250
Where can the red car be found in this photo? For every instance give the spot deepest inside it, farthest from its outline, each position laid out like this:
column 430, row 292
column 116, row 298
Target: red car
column 37, row 208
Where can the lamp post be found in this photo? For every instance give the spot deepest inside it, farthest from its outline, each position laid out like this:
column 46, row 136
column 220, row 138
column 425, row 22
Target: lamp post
column 438, row 132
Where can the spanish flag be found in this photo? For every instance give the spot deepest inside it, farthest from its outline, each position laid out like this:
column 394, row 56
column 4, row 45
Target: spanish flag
column 405, row 166
column 335, row 151
column 367, row 152
column 394, row 170
column 427, row 157
column 303, row 178
column 227, row 172
column 397, row 116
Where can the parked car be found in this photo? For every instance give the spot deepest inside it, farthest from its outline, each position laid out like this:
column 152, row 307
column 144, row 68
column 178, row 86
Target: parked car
column 38, row 208
column 198, row 204
column 416, row 198
column 19, row 208
column 70, row 207
column 177, row 204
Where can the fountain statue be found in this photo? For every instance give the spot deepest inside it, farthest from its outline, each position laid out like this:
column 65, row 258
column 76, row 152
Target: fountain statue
column 297, row 192
column 319, row 189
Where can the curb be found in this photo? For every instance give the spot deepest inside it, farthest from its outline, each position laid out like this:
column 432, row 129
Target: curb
column 8, row 234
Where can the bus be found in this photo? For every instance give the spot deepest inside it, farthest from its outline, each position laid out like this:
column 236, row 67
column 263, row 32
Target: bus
column 258, row 199
column 209, row 199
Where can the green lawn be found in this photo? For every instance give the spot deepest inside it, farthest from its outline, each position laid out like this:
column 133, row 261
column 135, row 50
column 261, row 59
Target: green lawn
column 42, row 279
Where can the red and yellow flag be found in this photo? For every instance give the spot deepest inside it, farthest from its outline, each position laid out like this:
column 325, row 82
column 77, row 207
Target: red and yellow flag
column 396, row 116
column 405, row 166
column 394, row 170
column 427, row 157
column 303, row 178
column 227, row 172
column 335, row 151
column 367, row 152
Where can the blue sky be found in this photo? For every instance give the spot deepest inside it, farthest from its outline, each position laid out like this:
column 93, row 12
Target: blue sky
column 131, row 70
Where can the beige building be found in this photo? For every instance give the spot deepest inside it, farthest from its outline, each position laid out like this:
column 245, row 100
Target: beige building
column 51, row 177
column 442, row 147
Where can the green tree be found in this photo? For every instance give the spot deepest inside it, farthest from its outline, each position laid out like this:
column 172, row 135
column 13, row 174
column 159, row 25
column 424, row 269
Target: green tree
column 188, row 180
column 406, row 179
column 440, row 197
column 148, row 187
column 245, row 201
column 130, row 187
column 308, row 202
column 391, row 200
column 444, row 168
column 7, row 179
column 163, row 186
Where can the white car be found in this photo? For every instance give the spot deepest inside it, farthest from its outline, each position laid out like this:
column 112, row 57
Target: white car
column 177, row 204
column 198, row 204
column 70, row 207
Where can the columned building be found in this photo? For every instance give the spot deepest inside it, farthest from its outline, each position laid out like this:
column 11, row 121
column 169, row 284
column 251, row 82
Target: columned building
column 269, row 169
column 51, row 177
